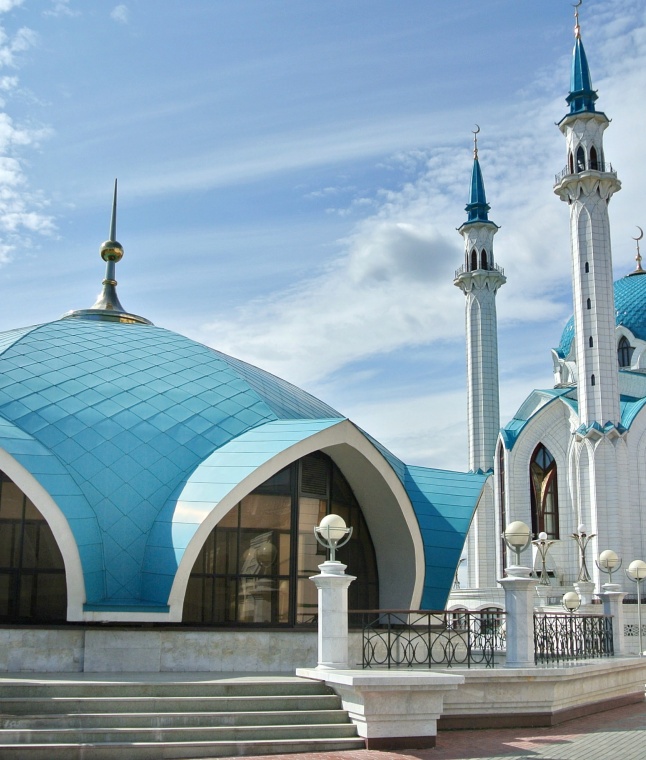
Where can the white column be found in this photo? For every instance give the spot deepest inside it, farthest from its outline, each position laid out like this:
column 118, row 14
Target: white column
column 519, row 605
column 332, row 585
column 613, row 598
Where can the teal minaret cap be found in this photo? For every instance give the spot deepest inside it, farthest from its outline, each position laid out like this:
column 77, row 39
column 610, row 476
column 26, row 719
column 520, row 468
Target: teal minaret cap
column 582, row 96
column 477, row 208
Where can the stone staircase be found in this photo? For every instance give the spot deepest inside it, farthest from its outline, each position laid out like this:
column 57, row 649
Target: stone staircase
column 159, row 717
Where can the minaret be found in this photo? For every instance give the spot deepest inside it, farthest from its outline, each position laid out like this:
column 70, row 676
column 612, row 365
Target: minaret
column 479, row 279
column 587, row 183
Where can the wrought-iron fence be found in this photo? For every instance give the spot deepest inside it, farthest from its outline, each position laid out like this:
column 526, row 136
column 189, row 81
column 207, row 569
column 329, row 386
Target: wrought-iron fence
column 562, row 636
column 418, row 638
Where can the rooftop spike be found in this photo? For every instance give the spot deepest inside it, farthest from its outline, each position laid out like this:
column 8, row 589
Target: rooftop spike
column 107, row 305
column 582, row 96
column 638, row 257
column 477, row 208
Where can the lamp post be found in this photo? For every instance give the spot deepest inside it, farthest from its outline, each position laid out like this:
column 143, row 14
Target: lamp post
column 608, row 562
column 332, row 584
column 332, row 533
column 517, row 537
column 582, row 540
column 543, row 545
column 636, row 571
column 571, row 602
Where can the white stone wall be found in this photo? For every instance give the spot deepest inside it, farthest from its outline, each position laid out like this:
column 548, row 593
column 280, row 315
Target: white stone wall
column 105, row 650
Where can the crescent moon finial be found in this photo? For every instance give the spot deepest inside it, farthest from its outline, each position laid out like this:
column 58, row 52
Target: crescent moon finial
column 475, row 141
column 638, row 257
column 577, row 28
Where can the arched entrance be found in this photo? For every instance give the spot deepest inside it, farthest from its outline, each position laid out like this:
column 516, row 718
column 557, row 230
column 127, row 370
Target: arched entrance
column 32, row 573
column 255, row 565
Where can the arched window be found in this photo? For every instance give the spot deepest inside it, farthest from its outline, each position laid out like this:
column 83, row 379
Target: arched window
column 594, row 162
column 590, row 342
column 580, row 159
column 587, row 267
column 32, row 573
column 544, row 493
column 570, row 162
column 255, row 565
column 588, row 304
column 483, row 260
column 593, row 380
column 474, row 260
column 624, row 352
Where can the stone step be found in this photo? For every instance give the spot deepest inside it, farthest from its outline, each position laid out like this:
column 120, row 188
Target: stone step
column 175, row 751
column 141, row 688
column 117, row 704
column 174, row 734
column 82, row 721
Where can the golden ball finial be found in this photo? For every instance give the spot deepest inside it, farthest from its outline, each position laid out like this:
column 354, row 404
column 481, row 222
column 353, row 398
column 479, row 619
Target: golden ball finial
column 111, row 250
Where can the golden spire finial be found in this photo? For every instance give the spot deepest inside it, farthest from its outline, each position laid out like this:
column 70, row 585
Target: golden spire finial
column 638, row 257
column 475, row 141
column 577, row 28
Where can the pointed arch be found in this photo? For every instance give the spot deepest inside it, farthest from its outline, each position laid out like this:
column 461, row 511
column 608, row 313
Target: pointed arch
column 474, row 260
column 570, row 161
column 543, row 481
column 580, row 159
column 624, row 352
column 594, row 161
column 483, row 260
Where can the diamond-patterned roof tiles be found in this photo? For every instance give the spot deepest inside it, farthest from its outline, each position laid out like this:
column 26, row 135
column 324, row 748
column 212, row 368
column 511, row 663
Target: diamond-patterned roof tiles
column 129, row 411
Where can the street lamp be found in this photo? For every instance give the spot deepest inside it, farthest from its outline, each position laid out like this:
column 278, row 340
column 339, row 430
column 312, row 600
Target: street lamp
column 636, row 571
column 571, row 602
column 332, row 533
column 517, row 536
column 543, row 545
column 608, row 562
column 582, row 540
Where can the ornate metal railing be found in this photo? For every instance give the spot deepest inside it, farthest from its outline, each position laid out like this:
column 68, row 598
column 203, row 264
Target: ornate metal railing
column 599, row 166
column 490, row 268
column 562, row 637
column 418, row 638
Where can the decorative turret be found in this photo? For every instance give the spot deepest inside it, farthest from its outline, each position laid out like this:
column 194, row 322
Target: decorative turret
column 587, row 183
column 107, row 305
column 479, row 279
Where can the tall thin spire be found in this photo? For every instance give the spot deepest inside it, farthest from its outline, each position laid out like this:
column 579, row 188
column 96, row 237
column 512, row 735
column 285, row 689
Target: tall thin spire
column 582, row 97
column 477, row 208
column 107, row 305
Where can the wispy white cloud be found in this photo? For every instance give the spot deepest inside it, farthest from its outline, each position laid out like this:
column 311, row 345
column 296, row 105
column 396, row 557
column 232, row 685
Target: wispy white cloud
column 7, row 5
column 22, row 211
column 120, row 13
column 60, row 8
column 390, row 285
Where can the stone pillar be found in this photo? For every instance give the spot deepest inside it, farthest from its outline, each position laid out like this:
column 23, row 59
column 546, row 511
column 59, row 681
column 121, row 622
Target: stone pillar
column 613, row 597
column 332, row 585
column 519, row 605
column 585, row 590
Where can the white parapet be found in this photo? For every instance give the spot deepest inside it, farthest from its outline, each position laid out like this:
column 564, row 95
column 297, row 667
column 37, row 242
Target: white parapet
column 391, row 709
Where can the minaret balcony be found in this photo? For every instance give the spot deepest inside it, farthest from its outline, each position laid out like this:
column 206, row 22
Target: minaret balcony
column 598, row 167
column 465, row 270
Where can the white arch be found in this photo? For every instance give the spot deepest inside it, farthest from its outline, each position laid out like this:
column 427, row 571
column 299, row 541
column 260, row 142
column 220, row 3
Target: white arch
column 384, row 502
column 59, row 526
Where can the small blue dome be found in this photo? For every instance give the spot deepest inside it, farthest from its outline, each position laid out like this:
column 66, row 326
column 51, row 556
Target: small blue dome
column 630, row 311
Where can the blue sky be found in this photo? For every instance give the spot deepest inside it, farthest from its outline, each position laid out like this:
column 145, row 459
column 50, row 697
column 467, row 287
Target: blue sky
column 291, row 174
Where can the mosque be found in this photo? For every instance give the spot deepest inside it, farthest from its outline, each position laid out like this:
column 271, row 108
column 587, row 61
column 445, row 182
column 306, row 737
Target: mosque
column 571, row 461
column 148, row 479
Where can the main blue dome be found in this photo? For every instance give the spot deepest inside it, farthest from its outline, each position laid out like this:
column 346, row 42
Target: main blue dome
column 630, row 311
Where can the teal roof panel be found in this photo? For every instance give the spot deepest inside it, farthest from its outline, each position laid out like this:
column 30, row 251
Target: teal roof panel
column 444, row 503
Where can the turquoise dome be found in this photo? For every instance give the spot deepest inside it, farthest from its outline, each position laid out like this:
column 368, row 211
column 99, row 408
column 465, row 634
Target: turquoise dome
column 630, row 311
